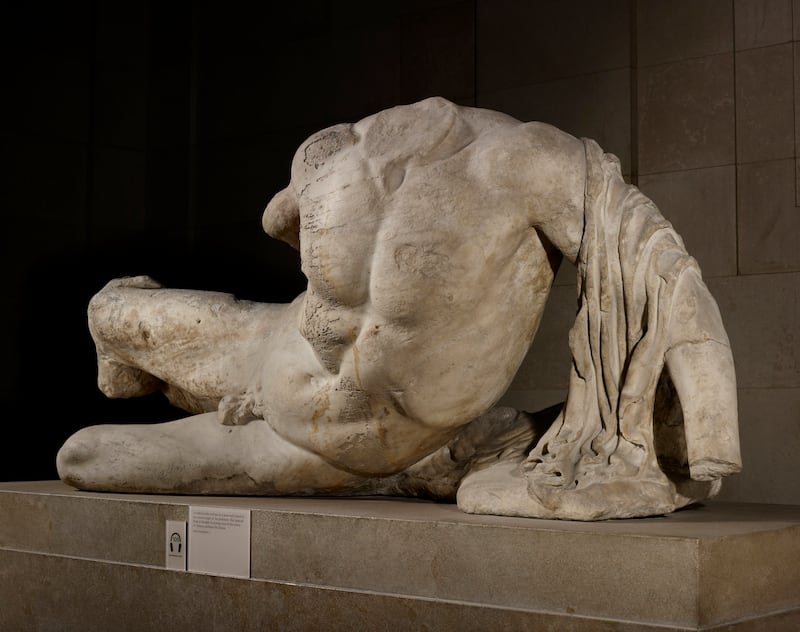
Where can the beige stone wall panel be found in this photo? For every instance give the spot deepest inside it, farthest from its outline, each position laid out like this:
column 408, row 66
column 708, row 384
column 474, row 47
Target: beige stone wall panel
column 769, row 427
column 761, row 313
column 765, row 104
column 672, row 31
column 768, row 220
column 686, row 114
column 762, row 22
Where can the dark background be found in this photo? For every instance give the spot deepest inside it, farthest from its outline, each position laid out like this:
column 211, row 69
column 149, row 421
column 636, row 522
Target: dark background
column 146, row 138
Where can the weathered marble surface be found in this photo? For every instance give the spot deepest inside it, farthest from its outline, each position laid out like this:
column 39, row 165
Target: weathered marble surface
column 430, row 235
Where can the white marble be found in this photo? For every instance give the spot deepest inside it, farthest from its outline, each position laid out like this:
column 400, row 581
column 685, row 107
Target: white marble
column 430, row 235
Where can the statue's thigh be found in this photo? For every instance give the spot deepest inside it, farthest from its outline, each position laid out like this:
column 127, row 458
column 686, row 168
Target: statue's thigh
column 166, row 331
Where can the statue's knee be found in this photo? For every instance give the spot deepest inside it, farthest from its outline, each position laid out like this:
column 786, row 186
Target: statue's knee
column 100, row 313
column 109, row 457
column 106, row 310
column 75, row 456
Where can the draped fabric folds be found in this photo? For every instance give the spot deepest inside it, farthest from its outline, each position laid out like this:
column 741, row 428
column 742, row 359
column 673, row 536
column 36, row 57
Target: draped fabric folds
column 633, row 274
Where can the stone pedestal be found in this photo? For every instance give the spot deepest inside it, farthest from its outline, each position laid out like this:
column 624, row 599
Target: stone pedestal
column 84, row 561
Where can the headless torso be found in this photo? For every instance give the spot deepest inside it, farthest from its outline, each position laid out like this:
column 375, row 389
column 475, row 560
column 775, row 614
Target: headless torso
column 425, row 289
column 405, row 296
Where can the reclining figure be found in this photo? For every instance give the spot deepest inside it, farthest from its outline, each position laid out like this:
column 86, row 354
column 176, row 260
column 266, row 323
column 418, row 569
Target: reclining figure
column 430, row 235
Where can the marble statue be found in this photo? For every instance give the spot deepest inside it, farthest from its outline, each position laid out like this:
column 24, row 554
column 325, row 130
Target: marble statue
column 430, row 235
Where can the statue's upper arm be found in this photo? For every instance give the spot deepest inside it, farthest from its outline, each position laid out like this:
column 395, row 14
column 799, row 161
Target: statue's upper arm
column 281, row 218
